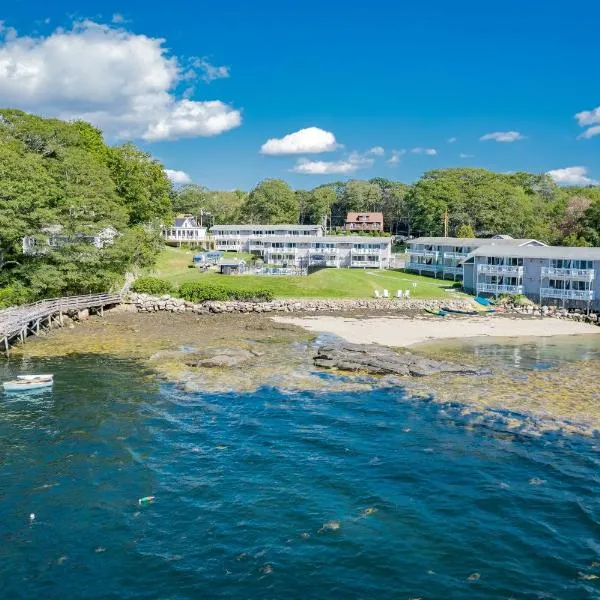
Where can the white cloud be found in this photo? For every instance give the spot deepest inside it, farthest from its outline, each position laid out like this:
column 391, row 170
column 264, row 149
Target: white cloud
column 311, row 140
column 463, row 155
column 210, row 72
column 376, row 151
column 118, row 18
column 178, row 177
column 502, row 136
column 572, row 176
column 426, row 151
column 345, row 166
column 591, row 120
column 122, row 82
column 451, row 140
column 395, row 158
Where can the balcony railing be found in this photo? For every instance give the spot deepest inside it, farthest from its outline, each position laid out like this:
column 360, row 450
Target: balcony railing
column 455, row 255
column 567, row 294
column 453, row 270
column 365, row 263
column 580, row 274
column 323, row 250
column 427, row 253
column 366, row 251
column 500, row 269
column 423, row 267
column 493, row 288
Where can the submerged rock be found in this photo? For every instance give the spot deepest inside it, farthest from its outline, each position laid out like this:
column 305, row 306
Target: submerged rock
column 379, row 360
column 223, row 358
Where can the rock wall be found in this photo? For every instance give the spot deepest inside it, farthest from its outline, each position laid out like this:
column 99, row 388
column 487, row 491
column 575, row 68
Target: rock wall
column 146, row 303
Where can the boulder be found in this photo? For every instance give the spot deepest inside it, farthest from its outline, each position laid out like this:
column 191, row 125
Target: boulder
column 380, row 360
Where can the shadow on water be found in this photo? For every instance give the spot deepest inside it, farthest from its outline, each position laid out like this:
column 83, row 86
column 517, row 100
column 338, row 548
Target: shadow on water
column 363, row 494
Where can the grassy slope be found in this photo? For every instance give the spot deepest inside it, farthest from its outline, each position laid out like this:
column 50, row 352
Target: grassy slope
column 326, row 283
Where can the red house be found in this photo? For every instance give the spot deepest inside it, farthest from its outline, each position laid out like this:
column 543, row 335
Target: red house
column 367, row 221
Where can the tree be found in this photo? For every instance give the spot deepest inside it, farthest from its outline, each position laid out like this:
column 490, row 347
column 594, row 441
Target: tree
column 465, row 231
column 272, row 201
column 141, row 183
column 320, row 203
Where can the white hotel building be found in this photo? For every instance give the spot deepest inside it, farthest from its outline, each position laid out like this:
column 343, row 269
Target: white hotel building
column 237, row 238
column 325, row 250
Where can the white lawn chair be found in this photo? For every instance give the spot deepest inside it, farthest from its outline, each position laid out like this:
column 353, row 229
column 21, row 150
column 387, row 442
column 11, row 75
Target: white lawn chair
column 386, row 294
column 399, row 294
column 376, row 294
column 407, row 294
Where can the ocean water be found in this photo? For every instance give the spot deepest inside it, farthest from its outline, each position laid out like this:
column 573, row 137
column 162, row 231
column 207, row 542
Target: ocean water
column 282, row 495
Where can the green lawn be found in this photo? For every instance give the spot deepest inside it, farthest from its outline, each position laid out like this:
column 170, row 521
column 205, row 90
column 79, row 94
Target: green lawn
column 326, row 283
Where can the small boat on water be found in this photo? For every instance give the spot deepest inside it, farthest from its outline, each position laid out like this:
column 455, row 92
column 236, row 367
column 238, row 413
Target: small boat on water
column 28, row 382
column 35, row 377
column 437, row 313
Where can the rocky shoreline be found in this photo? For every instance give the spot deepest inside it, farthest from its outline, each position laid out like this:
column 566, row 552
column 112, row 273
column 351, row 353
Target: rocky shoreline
column 145, row 303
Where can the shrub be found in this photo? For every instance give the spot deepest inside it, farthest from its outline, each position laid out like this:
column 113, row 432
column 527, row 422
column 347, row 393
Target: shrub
column 197, row 291
column 14, row 295
column 152, row 285
column 263, row 295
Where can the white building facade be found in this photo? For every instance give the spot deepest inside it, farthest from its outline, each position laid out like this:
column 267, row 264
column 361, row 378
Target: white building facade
column 185, row 230
column 237, row 238
column 325, row 251
column 443, row 256
column 553, row 275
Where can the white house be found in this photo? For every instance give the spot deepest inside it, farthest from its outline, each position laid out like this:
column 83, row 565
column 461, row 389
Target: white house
column 52, row 238
column 185, row 230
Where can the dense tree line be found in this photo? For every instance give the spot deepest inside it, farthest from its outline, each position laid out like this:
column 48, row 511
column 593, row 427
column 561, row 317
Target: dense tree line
column 475, row 201
column 54, row 173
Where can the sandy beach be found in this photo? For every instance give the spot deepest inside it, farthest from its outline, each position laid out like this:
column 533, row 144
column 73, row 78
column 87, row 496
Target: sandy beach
column 405, row 331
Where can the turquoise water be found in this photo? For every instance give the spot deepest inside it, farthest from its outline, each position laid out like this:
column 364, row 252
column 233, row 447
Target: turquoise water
column 264, row 495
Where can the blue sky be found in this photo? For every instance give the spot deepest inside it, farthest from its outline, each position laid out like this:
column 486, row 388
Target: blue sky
column 370, row 75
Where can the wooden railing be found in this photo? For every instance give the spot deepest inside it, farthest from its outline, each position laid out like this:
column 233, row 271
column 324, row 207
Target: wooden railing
column 15, row 320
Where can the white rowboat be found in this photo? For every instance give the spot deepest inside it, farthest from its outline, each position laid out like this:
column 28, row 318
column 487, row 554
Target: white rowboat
column 34, row 377
column 21, row 385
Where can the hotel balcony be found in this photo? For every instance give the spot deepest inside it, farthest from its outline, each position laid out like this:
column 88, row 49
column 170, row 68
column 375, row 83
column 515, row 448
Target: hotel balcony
column 455, row 255
column 453, row 270
column 413, row 266
column 500, row 270
column 367, row 264
column 577, row 274
column 423, row 253
column 365, row 251
column 586, row 295
column 493, row 288
column 323, row 250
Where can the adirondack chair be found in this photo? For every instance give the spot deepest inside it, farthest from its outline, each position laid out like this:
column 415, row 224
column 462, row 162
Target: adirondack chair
column 407, row 294
column 399, row 294
column 376, row 294
column 386, row 294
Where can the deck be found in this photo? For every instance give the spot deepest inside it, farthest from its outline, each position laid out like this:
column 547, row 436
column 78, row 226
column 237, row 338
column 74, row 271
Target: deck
column 17, row 323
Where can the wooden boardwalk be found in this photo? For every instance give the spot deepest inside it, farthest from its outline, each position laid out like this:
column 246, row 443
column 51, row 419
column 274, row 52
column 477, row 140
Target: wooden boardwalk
column 18, row 322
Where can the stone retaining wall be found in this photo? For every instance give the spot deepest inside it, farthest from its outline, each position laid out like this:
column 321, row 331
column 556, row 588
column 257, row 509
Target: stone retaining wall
column 146, row 303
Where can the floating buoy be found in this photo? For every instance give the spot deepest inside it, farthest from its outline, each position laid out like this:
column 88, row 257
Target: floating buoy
column 32, row 517
column 146, row 500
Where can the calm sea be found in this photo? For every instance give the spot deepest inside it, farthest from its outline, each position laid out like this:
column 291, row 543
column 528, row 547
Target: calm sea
column 282, row 495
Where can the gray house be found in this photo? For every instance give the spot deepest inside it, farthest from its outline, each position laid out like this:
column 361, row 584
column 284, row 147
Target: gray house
column 443, row 256
column 551, row 275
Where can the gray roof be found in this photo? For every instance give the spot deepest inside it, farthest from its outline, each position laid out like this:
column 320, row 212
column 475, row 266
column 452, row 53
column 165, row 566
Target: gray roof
column 284, row 227
column 347, row 239
column 539, row 252
column 475, row 242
